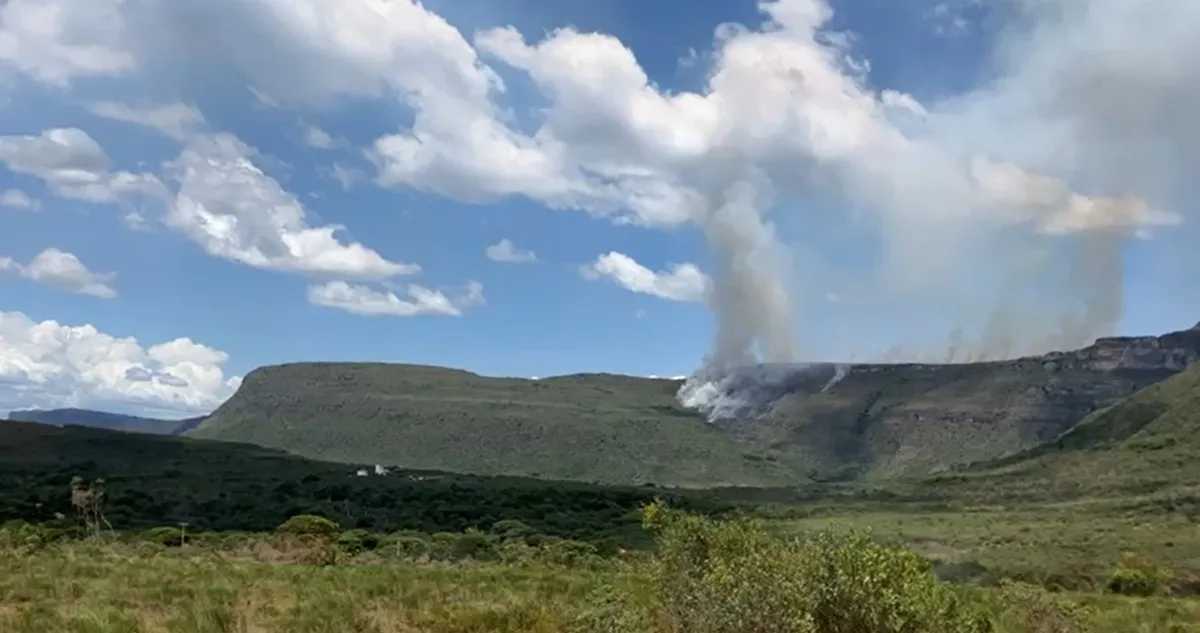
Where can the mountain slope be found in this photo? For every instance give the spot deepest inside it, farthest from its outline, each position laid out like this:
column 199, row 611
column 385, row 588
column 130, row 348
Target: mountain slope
column 910, row 420
column 1147, row 442
column 604, row 428
column 109, row 421
column 797, row 423
column 907, row 420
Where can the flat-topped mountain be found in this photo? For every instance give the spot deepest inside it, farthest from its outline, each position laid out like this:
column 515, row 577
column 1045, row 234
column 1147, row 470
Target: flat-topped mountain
column 792, row 424
column 588, row 427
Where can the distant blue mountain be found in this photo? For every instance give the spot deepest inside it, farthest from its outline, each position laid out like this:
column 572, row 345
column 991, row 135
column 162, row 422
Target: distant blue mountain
column 105, row 420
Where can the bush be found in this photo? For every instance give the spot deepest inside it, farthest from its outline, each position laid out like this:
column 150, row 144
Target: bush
column 1026, row 607
column 568, row 554
column 863, row 586
column 166, row 536
column 516, row 552
column 734, row 577
column 611, row 611
column 308, row 525
column 357, row 541
column 406, row 546
column 319, row 552
column 474, row 545
column 22, row 534
column 1136, row 577
column 512, row 529
column 726, row 577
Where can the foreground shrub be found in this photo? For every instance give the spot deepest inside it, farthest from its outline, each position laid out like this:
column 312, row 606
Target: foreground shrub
column 727, row 577
column 165, row 536
column 1136, row 577
column 474, row 545
column 28, row 535
column 315, row 535
column 734, row 577
column 608, row 610
column 405, row 546
column 357, row 541
column 568, row 553
column 1026, row 607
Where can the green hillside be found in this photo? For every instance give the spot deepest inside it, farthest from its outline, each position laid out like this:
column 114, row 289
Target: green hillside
column 1146, row 443
column 880, row 422
column 595, row 427
column 155, row 480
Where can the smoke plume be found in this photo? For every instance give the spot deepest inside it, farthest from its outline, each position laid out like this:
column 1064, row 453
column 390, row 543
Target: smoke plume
column 1004, row 210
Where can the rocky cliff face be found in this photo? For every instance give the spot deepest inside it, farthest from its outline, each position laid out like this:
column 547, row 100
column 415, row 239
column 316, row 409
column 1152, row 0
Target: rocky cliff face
column 1175, row 351
column 914, row 419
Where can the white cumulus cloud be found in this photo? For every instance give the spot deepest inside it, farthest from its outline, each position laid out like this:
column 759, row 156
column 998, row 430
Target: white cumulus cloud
column 75, row 166
column 55, row 41
column 415, row 300
column 64, row 271
column 506, row 251
column 228, row 205
column 679, row 282
column 50, row 364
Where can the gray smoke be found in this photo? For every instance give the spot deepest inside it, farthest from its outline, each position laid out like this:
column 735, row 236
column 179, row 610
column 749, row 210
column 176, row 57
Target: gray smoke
column 749, row 295
column 1100, row 94
column 1005, row 211
column 752, row 390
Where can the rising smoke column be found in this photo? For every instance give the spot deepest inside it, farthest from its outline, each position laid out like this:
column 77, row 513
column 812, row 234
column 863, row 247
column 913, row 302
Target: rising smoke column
column 750, row 297
column 1008, row 207
column 749, row 292
column 997, row 217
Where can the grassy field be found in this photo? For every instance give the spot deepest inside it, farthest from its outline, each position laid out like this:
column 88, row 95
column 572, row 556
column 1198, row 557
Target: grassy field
column 1073, row 546
column 263, row 586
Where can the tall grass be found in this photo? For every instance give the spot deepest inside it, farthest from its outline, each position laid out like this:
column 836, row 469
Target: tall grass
column 703, row 577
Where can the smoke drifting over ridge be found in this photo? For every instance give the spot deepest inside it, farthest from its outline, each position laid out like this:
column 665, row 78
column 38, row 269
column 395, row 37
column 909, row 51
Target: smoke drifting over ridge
column 998, row 215
column 1008, row 206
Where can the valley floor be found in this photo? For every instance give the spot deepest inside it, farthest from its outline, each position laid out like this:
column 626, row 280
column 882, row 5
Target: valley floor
column 263, row 586
column 1068, row 546
column 113, row 591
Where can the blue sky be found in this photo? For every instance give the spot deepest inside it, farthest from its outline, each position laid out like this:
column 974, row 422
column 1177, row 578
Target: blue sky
column 232, row 128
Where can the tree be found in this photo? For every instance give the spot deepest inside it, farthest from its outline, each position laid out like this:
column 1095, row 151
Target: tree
column 309, row 525
column 88, row 502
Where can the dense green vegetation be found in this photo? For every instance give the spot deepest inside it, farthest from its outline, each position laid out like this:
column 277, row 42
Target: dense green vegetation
column 156, row 480
column 878, row 423
column 1137, row 455
column 702, row 576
